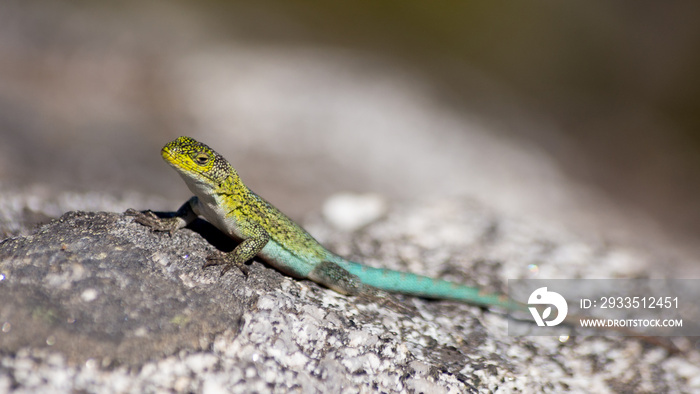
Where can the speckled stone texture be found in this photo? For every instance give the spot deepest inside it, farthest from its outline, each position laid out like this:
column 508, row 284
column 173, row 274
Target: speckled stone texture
column 97, row 303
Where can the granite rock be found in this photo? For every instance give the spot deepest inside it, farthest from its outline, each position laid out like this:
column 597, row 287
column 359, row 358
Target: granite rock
column 93, row 301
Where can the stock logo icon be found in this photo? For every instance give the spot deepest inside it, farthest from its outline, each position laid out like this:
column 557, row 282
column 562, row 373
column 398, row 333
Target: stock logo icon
column 543, row 297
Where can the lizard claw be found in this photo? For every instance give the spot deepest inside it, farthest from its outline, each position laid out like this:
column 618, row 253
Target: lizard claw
column 241, row 267
column 385, row 299
column 150, row 219
column 214, row 259
column 220, row 258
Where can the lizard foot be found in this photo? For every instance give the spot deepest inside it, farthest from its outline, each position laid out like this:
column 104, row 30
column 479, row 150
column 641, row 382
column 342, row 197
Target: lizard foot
column 386, row 300
column 220, row 258
column 339, row 279
column 149, row 219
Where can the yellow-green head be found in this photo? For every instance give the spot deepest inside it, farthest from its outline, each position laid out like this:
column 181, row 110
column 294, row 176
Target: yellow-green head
column 200, row 167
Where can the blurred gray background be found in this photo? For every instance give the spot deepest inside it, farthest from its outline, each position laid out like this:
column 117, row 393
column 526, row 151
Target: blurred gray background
column 581, row 113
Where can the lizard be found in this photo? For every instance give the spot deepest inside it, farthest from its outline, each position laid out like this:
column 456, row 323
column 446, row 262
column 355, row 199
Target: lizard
column 221, row 197
column 225, row 201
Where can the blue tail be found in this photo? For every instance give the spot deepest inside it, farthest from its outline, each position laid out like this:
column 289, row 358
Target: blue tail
column 426, row 287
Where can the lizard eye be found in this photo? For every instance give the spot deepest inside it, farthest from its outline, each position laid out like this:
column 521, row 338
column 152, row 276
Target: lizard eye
column 201, row 158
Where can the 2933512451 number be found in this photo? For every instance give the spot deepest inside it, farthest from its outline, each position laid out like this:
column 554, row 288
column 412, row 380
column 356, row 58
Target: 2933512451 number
column 638, row 302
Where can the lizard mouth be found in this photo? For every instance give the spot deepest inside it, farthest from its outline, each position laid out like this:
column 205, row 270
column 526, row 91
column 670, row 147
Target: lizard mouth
column 181, row 163
column 168, row 156
column 176, row 160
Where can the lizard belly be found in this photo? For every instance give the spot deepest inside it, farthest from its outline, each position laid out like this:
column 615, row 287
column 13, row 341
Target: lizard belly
column 216, row 215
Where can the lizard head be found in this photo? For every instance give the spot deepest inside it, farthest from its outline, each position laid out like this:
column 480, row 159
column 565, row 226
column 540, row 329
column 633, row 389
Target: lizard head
column 200, row 167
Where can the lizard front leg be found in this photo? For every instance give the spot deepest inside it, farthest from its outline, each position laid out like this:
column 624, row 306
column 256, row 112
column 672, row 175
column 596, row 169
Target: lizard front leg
column 184, row 216
column 245, row 251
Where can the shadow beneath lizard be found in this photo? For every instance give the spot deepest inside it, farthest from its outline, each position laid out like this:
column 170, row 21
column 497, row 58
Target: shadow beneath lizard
column 208, row 231
column 213, row 235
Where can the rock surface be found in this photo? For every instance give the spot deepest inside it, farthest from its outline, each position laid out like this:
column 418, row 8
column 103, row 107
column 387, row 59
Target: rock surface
column 93, row 302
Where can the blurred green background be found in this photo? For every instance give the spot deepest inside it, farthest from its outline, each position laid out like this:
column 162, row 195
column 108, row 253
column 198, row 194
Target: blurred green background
column 601, row 98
